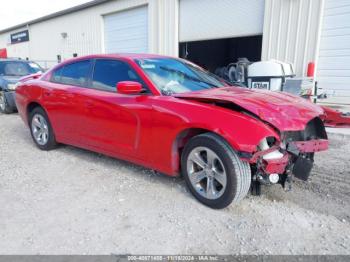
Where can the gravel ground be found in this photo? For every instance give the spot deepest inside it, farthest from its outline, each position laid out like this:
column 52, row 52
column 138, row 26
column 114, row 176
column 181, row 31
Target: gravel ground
column 71, row 201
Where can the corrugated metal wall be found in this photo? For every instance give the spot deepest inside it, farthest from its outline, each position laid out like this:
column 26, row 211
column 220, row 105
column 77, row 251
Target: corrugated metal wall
column 208, row 19
column 21, row 50
column 333, row 69
column 164, row 28
column 291, row 31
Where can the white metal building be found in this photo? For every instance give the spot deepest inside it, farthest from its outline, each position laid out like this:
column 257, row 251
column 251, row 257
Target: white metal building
column 211, row 33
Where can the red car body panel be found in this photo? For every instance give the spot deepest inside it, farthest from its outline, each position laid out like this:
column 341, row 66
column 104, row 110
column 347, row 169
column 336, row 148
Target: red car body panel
column 150, row 129
column 276, row 166
column 282, row 110
column 335, row 118
column 312, row 145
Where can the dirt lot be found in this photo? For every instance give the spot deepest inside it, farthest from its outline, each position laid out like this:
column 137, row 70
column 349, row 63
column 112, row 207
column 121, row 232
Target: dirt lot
column 71, row 201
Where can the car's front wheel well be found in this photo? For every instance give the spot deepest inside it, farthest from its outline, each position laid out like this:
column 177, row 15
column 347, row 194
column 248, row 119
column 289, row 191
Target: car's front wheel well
column 181, row 140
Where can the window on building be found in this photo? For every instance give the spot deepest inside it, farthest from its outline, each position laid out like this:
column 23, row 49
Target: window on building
column 108, row 73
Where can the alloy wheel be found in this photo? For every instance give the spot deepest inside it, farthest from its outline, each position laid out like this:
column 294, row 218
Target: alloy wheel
column 40, row 129
column 2, row 101
column 206, row 172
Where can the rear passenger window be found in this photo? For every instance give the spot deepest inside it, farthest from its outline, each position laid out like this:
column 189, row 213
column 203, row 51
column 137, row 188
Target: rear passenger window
column 107, row 73
column 56, row 75
column 76, row 74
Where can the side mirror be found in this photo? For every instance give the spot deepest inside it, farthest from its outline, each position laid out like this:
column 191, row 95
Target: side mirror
column 129, row 87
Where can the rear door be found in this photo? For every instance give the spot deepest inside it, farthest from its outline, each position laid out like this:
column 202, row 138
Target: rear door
column 116, row 123
column 60, row 98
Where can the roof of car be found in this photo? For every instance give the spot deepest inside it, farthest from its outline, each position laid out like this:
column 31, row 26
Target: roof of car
column 125, row 55
column 135, row 56
column 121, row 55
column 128, row 56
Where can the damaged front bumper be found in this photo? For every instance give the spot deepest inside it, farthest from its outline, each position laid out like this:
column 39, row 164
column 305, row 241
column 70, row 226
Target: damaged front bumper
column 310, row 146
column 295, row 159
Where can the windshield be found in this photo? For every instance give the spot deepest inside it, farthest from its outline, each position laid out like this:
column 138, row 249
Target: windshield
column 173, row 76
column 18, row 68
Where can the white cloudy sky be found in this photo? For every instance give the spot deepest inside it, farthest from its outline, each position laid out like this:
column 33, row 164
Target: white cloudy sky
column 13, row 12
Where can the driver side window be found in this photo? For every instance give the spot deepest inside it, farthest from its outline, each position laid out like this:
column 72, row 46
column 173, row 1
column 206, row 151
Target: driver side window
column 108, row 73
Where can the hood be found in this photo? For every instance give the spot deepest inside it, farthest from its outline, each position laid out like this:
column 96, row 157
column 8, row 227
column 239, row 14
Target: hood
column 282, row 110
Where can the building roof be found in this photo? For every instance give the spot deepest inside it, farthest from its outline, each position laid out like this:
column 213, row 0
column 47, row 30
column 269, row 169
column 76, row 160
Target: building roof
column 56, row 14
column 13, row 59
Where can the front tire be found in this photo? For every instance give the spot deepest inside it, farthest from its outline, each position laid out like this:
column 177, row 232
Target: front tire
column 213, row 172
column 41, row 129
column 4, row 106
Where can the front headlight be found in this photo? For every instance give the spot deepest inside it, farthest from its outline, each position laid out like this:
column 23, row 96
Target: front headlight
column 11, row 86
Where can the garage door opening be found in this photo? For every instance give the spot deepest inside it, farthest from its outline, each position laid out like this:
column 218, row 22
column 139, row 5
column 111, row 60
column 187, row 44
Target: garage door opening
column 212, row 54
column 126, row 31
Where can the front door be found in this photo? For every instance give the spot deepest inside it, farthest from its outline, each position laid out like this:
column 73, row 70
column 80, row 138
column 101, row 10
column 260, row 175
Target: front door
column 114, row 122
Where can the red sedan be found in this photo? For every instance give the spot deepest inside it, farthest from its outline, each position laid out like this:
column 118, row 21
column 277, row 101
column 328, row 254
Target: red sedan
column 172, row 116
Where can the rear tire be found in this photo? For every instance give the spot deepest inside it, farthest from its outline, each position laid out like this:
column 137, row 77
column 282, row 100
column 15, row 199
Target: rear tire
column 41, row 129
column 213, row 172
column 4, row 106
